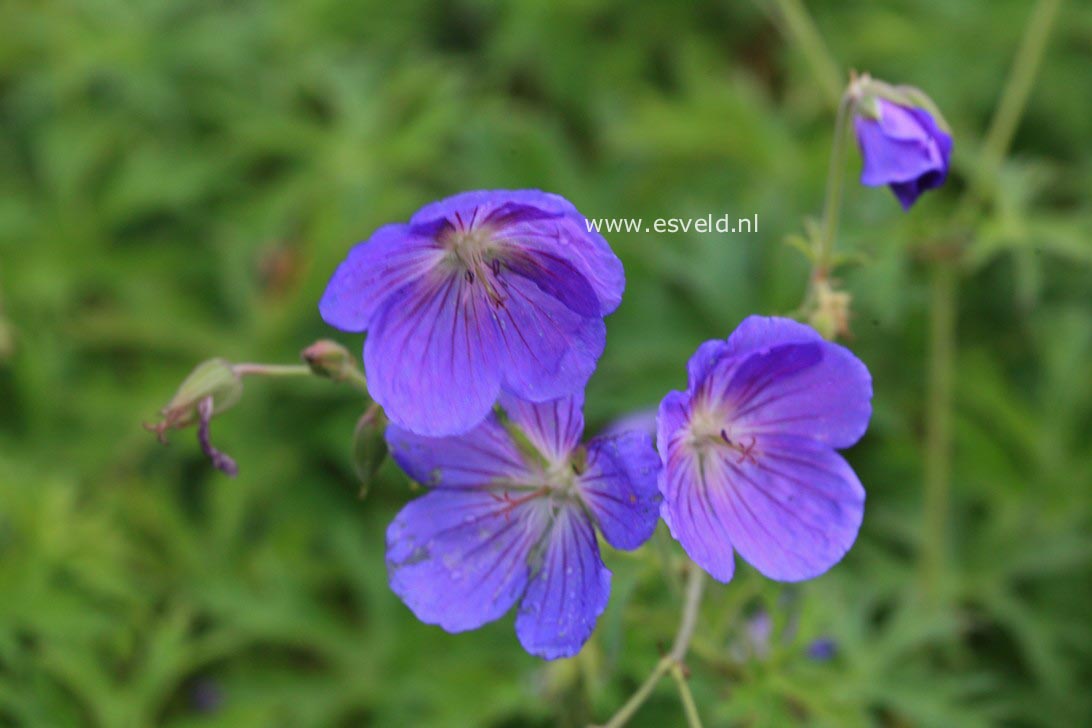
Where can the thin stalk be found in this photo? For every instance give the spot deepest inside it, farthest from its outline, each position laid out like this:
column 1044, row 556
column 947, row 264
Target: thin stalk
column 1018, row 87
column 938, row 444
column 689, row 706
column 695, row 585
column 945, row 291
column 272, row 370
column 802, row 29
column 836, row 183
column 351, row 375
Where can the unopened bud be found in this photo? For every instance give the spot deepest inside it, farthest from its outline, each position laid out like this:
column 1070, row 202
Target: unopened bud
column 213, row 379
column 369, row 446
column 329, row 359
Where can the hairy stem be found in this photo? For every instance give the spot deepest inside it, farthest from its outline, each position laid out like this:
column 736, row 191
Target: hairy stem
column 695, row 585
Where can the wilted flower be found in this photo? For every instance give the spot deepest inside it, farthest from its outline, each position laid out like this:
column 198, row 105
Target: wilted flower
column 903, row 146
column 477, row 294
column 749, row 451
column 511, row 518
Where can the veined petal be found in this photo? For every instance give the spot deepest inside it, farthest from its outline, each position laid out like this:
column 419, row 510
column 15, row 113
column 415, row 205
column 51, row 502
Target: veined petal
column 671, row 418
column 689, row 510
column 761, row 333
column 568, row 591
column 375, row 270
column 619, row 486
column 704, row 358
column 539, row 221
column 484, row 457
column 554, row 427
column 556, row 277
column 547, row 350
column 432, row 356
column 460, row 558
column 818, row 390
column 792, row 509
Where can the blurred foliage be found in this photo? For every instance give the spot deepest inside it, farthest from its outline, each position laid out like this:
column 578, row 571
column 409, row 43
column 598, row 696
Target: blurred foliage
column 179, row 177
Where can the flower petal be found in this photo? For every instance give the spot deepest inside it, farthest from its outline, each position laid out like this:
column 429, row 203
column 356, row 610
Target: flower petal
column 460, row 558
column 540, row 221
column 818, row 390
column 432, row 356
column 554, row 427
column 485, row 457
column 620, row 488
column 761, row 333
column 690, row 513
column 673, row 415
column 548, row 350
column 889, row 160
column 703, row 359
column 556, row 277
column 793, row 509
column 392, row 258
column 567, row 593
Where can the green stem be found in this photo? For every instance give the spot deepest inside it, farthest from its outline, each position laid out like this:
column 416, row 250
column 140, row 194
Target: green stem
column 272, row 370
column 695, row 585
column 939, row 424
column 1017, row 89
column 352, row 375
column 945, row 290
column 689, row 706
column 836, row 182
column 802, row 29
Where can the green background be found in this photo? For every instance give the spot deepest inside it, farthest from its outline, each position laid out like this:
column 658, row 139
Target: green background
column 178, row 179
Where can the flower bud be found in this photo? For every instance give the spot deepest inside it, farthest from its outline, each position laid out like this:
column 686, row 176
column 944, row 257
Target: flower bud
column 214, row 378
column 329, row 359
column 369, row 446
column 903, row 138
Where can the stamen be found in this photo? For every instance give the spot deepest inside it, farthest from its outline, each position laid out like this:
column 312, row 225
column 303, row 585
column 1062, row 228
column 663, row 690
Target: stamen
column 512, row 503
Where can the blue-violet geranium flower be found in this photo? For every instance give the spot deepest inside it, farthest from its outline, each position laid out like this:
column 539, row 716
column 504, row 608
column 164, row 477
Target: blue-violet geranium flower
column 749, row 451
column 477, row 294
column 511, row 517
column 903, row 147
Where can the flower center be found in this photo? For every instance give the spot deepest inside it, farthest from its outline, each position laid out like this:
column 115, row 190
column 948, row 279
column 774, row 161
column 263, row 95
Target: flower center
column 470, row 247
column 473, row 253
column 711, row 430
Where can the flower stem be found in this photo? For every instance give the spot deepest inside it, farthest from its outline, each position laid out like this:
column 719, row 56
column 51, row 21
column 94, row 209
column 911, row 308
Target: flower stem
column 272, row 370
column 945, row 289
column 692, row 718
column 695, row 585
column 938, row 444
column 802, row 29
column 836, row 182
column 1017, row 89
column 352, row 375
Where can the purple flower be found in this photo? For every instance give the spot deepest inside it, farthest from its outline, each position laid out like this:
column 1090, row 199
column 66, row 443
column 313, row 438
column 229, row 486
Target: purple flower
column 477, row 294
column 749, row 451
column 902, row 147
column 822, row 649
column 511, row 519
